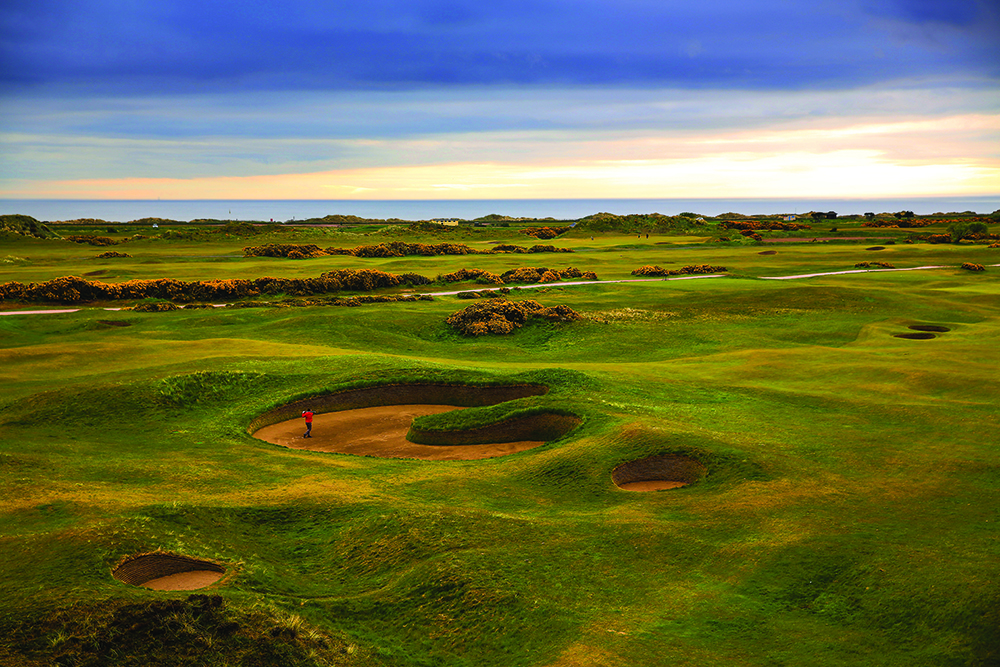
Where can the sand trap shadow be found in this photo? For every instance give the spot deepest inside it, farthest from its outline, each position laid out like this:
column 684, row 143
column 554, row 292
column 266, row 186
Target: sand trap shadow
column 768, row 252
column 658, row 473
column 168, row 572
column 384, row 427
column 876, row 247
column 929, row 327
column 915, row 336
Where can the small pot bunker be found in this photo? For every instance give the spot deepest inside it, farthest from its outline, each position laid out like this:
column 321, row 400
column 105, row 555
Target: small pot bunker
column 168, row 572
column 658, row 473
column 378, row 421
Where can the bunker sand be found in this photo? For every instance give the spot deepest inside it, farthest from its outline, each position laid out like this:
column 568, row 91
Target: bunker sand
column 184, row 581
column 381, row 431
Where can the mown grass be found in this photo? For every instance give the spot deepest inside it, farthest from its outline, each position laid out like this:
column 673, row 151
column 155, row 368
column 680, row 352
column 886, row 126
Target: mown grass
column 848, row 516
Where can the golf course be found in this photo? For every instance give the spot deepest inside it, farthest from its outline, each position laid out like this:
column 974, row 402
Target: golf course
column 619, row 441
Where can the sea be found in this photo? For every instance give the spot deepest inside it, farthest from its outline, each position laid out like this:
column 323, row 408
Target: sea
column 284, row 210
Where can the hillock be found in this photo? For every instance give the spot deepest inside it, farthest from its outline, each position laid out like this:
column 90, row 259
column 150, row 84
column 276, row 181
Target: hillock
column 25, row 225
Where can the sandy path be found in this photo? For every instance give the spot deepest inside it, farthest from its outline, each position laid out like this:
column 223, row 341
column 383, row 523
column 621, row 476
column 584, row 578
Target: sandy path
column 184, row 581
column 380, row 431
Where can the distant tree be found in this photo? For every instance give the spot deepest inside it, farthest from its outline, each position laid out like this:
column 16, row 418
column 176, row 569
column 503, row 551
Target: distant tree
column 817, row 215
column 831, row 215
column 958, row 231
column 870, row 216
column 977, row 229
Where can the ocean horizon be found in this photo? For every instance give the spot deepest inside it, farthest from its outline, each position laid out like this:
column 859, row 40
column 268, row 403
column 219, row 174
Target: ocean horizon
column 284, row 210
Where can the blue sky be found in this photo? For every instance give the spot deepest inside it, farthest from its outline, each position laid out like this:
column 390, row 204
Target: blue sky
column 452, row 98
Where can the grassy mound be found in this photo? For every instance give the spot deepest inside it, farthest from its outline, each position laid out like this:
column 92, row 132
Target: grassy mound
column 25, row 225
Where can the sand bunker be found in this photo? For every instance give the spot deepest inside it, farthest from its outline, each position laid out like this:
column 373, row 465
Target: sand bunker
column 657, row 473
column 375, row 421
column 929, row 327
column 381, row 431
column 168, row 572
column 915, row 336
column 768, row 252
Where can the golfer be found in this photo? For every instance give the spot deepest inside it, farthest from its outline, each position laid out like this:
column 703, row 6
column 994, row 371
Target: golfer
column 308, row 414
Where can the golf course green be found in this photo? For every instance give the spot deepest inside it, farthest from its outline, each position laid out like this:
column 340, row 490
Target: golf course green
column 743, row 467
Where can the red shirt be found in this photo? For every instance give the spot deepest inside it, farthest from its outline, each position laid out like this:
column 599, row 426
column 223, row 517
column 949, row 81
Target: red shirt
column 309, row 417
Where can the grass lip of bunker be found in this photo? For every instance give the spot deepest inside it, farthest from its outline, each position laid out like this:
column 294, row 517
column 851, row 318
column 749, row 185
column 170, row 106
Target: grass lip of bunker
column 934, row 328
column 352, row 430
column 658, row 473
column 168, row 572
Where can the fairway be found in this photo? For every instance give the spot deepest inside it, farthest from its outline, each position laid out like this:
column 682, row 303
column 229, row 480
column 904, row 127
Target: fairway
column 790, row 461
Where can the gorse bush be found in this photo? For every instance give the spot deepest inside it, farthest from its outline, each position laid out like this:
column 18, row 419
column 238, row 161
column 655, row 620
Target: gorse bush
column 969, row 266
column 691, row 269
column 72, row 289
column 90, row 239
column 754, row 225
column 545, row 232
column 866, row 265
column 390, row 249
column 500, row 316
column 110, row 254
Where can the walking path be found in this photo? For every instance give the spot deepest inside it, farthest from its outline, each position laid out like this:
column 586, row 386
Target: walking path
column 564, row 284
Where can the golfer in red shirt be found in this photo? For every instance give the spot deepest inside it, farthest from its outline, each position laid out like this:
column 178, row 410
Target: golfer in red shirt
column 308, row 414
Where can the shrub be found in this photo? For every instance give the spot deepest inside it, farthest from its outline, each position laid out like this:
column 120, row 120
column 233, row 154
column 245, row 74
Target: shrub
column 500, row 316
column 156, row 307
column 289, row 250
column 110, row 254
column 691, row 269
column 969, row 266
column 865, row 265
column 91, row 239
column 479, row 275
column 545, row 232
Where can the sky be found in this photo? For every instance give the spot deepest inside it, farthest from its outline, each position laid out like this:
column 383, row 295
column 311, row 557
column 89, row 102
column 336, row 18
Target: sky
column 510, row 99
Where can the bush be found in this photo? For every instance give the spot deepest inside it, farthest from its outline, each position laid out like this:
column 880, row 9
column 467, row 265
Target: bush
column 289, row 250
column 90, row 239
column 866, row 265
column 691, row 269
column 545, row 232
column 969, row 266
column 500, row 316
column 110, row 254
column 156, row 307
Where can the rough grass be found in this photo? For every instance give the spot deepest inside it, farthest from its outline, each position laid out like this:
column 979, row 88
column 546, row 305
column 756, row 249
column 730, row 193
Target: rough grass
column 848, row 514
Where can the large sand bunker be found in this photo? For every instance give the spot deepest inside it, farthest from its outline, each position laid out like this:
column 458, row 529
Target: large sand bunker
column 168, row 572
column 657, row 473
column 345, row 425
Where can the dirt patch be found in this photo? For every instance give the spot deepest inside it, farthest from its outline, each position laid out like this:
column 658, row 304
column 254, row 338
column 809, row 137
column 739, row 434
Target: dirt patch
column 915, row 336
column 168, row 572
column 929, row 327
column 381, row 431
column 658, row 473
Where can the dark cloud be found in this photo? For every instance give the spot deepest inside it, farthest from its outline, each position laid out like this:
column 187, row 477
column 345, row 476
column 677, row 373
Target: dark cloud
column 184, row 46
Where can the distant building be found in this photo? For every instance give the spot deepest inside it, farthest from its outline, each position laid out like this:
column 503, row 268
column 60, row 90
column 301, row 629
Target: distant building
column 789, row 218
column 448, row 222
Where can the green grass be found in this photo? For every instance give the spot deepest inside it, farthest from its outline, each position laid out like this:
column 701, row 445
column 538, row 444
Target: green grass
column 848, row 515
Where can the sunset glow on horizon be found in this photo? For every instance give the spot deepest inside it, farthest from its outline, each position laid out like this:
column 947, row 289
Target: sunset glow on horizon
column 622, row 100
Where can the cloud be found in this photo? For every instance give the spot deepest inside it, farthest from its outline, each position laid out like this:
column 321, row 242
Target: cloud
column 141, row 48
